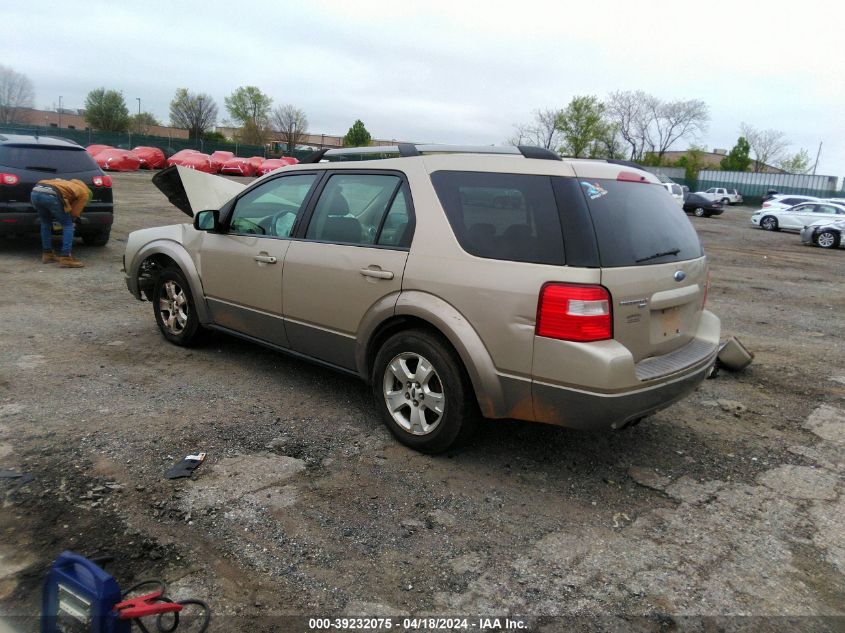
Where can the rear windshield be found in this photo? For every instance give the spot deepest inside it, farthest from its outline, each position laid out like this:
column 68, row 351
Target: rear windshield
column 502, row 216
column 46, row 159
column 638, row 224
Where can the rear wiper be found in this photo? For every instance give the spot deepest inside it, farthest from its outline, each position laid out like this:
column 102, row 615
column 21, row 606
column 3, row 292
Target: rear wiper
column 50, row 169
column 674, row 251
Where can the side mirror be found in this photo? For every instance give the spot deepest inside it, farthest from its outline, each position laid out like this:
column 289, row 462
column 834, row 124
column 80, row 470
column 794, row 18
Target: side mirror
column 207, row 220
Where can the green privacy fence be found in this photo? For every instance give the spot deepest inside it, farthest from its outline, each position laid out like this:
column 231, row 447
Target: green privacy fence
column 754, row 185
column 128, row 140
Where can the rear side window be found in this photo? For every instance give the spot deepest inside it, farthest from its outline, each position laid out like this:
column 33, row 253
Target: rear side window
column 502, row 216
column 46, row 159
column 637, row 224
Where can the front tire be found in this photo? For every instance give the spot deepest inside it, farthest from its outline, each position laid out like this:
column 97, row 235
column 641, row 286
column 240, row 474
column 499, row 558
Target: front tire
column 423, row 392
column 827, row 239
column 174, row 308
column 699, row 212
column 769, row 223
column 726, row 201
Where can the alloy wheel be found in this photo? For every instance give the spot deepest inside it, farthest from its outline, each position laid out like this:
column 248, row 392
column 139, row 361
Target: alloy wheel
column 413, row 393
column 173, row 306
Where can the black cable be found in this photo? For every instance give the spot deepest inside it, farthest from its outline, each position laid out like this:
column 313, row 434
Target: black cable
column 162, row 586
column 160, row 626
column 206, row 612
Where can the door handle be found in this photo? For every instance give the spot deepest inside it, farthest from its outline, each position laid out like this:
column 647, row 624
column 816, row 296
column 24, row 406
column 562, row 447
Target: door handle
column 378, row 273
column 266, row 259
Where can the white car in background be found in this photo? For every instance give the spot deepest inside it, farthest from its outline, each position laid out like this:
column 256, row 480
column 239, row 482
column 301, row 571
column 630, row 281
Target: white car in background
column 786, row 200
column 797, row 217
column 720, row 194
column 676, row 191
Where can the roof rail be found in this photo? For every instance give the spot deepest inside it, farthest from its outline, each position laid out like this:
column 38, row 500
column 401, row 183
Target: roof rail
column 413, row 149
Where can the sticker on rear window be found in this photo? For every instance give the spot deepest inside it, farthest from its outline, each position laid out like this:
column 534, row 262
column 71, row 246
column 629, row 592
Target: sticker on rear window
column 593, row 190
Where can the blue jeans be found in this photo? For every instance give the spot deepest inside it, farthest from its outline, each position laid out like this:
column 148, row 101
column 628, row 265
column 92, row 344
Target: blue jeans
column 49, row 208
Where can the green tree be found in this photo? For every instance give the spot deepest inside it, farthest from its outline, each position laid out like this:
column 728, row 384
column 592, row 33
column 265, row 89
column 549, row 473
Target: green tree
column 799, row 163
column 248, row 104
column 692, row 162
column 251, row 134
column 141, row 123
column 357, row 136
column 738, row 159
column 195, row 112
column 105, row 110
column 581, row 125
column 216, row 137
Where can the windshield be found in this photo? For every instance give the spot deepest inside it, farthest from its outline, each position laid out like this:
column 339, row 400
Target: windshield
column 637, row 224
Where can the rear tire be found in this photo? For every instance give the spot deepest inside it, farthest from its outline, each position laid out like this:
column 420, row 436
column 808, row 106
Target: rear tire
column 175, row 310
column 699, row 212
column 423, row 392
column 100, row 238
column 828, row 239
column 769, row 223
column 726, row 201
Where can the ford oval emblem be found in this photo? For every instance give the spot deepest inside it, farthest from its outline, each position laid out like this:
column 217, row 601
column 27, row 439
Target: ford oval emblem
column 680, row 275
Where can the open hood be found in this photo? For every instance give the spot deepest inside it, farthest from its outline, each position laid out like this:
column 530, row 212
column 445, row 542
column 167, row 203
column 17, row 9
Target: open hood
column 192, row 191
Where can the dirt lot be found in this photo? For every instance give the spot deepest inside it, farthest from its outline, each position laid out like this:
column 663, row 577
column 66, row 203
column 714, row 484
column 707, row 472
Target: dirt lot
column 731, row 502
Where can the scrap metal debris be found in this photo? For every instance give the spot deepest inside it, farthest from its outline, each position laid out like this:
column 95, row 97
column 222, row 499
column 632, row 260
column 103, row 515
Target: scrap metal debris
column 733, row 355
column 185, row 467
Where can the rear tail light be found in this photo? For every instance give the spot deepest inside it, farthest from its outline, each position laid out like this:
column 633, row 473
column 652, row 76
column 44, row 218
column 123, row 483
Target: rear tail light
column 631, row 176
column 9, row 179
column 573, row 312
column 766, row 204
column 706, row 290
column 101, row 181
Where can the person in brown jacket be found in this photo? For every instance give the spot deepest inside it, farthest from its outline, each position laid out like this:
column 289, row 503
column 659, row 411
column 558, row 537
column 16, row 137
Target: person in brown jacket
column 60, row 200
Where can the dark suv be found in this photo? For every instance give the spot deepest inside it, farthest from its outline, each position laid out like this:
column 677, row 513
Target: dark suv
column 24, row 160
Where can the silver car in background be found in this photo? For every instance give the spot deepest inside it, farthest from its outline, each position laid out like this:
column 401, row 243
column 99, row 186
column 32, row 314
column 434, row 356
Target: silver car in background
column 827, row 234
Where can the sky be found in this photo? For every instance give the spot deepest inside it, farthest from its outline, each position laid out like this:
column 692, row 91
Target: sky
column 458, row 71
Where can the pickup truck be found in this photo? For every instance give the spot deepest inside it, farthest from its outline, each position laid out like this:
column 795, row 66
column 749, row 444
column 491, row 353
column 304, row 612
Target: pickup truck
column 720, row 194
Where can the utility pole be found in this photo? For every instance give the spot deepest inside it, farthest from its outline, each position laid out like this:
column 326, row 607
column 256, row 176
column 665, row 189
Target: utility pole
column 138, row 99
column 816, row 164
column 60, row 112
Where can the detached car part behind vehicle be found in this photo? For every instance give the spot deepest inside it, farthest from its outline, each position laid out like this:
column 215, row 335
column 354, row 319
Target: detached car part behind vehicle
column 459, row 282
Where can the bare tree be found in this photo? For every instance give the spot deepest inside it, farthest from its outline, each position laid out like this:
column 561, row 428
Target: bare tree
column 632, row 113
column 675, row 120
column 649, row 125
column 291, row 124
column 16, row 92
column 768, row 146
column 541, row 132
column 196, row 113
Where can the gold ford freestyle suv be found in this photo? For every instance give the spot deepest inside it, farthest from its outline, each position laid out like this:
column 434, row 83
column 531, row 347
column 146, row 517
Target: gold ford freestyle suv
column 459, row 282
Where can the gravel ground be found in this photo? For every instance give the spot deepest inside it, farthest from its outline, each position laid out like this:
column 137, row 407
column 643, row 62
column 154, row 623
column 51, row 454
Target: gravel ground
column 729, row 503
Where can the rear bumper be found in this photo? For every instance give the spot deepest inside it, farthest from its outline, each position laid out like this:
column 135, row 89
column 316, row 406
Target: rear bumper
column 599, row 386
column 599, row 411
column 27, row 222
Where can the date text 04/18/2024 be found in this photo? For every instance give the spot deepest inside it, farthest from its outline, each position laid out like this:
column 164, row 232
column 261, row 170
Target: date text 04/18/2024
column 420, row 623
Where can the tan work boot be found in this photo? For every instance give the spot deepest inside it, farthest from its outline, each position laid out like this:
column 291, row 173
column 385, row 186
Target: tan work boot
column 70, row 261
column 48, row 257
